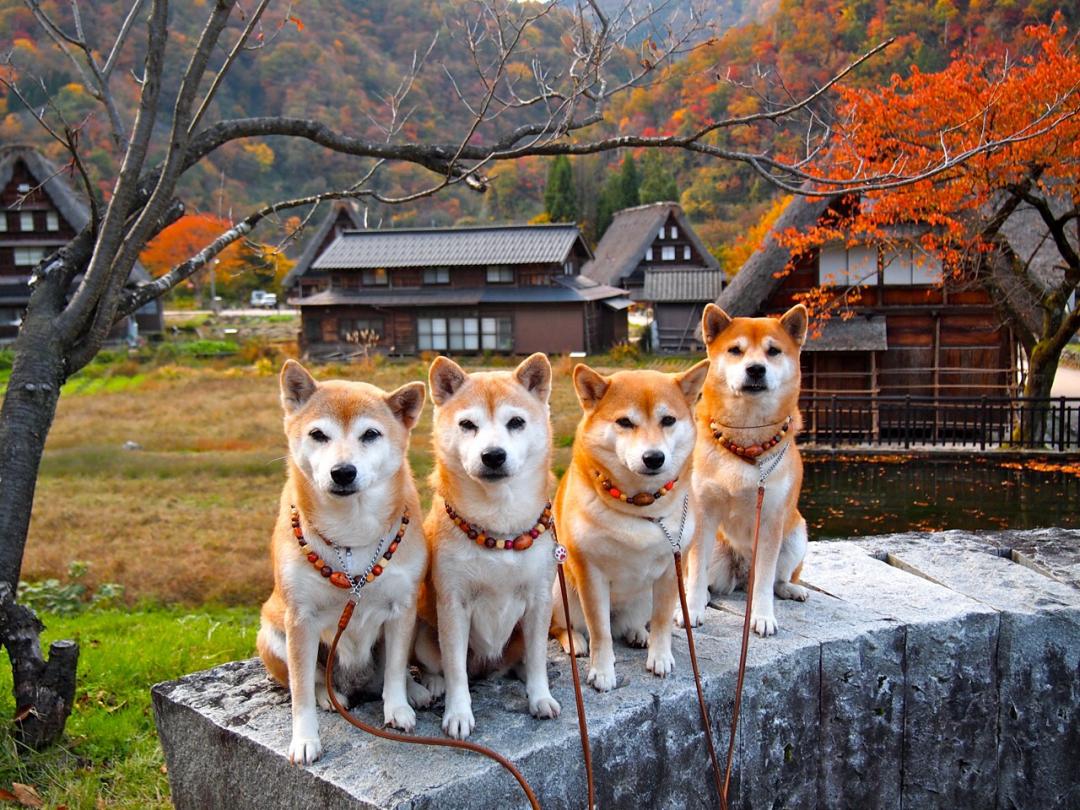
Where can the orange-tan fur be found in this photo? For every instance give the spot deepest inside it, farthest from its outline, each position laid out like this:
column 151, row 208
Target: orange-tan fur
column 484, row 610
column 302, row 612
column 726, row 485
column 620, row 568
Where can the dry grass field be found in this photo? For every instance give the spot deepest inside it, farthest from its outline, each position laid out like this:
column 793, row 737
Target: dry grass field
column 186, row 518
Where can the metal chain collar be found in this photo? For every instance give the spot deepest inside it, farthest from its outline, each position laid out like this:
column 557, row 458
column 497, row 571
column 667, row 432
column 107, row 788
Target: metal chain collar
column 676, row 543
column 345, row 561
column 765, row 470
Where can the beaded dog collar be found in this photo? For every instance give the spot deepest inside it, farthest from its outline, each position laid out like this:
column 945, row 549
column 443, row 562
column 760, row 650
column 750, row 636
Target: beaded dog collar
column 641, row 499
column 482, row 538
column 340, row 579
column 749, row 452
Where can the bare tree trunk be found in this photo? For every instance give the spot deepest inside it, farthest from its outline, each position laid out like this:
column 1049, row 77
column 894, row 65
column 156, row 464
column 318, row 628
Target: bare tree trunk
column 1029, row 430
column 44, row 690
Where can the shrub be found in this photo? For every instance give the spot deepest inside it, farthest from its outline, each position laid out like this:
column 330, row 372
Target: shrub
column 625, row 353
column 54, row 596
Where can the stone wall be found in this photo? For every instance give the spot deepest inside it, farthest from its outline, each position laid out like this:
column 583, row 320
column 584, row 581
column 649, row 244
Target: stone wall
column 938, row 670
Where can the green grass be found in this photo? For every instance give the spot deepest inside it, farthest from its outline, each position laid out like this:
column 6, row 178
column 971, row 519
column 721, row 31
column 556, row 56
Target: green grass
column 110, row 754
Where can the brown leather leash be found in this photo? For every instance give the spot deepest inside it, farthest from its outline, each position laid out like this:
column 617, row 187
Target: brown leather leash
column 447, row 742
column 764, row 474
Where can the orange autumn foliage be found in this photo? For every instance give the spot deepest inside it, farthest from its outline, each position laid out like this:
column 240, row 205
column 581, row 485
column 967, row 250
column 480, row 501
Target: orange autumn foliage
column 1032, row 100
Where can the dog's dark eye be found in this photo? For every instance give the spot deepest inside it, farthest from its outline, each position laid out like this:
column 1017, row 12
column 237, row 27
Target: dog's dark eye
column 516, row 423
column 623, row 422
column 370, row 435
column 667, row 421
column 319, row 436
column 735, row 350
column 773, row 351
column 467, row 424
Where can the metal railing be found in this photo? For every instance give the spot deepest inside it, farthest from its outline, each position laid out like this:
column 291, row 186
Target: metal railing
column 920, row 421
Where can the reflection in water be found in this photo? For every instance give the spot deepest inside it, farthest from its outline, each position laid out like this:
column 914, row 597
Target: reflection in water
column 855, row 496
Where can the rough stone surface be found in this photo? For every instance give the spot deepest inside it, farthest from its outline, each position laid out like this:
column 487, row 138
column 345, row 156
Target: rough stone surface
column 925, row 671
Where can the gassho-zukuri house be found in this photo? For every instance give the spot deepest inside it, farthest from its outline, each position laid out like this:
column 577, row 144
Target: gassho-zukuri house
column 495, row 288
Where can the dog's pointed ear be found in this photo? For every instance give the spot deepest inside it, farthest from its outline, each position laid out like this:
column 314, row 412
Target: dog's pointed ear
column 590, row 386
column 691, row 381
column 534, row 373
column 445, row 378
column 713, row 321
column 297, row 386
column 794, row 322
column 406, row 403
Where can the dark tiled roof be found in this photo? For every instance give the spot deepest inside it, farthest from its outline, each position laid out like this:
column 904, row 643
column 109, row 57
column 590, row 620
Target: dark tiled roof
column 682, row 284
column 854, row 335
column 451, row 247
column 567, row 290
column 307, row 256
column 623, row 245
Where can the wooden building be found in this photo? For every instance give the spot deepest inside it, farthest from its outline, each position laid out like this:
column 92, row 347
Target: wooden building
column 901, row 334
column 652, row 251
column 39, row 213
column 500, row 288
column 302, row 279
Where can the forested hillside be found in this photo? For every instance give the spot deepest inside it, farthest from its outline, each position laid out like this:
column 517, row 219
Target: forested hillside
column 340, row 61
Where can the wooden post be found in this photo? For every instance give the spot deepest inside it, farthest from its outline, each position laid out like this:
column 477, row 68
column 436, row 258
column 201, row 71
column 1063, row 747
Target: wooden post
column 875, row 417
column 937, row 376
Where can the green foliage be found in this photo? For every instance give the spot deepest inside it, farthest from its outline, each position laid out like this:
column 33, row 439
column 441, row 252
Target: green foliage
column 619, row 192
column 110, row 755
column 657, row 181
column 71, row 597
column 197, row 348
column 560, row 201
column 624, row 353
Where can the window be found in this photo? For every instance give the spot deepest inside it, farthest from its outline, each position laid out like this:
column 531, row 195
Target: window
column 374, row 278
column 437, row 275
column 3, row 221
column 52, row 221
column 464, row 334
column 312, row 329
column 568, row 268
column 910, row 265
column 841, row 266
column 500, row 275
column 648, row 254
column 667, row 253
column 24, row 188
column 660, row 235
column 686, row 253
column 431, row 334
column 349, row 329
column 10, row 316
column 28, row 257
column 497, row 334
column 26, row 221
column 674, row 232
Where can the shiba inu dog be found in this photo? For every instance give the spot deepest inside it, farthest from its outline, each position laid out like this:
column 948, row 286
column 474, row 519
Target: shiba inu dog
column 747, row 421
column 348, row 504
column 625, row 499
column 492, row 563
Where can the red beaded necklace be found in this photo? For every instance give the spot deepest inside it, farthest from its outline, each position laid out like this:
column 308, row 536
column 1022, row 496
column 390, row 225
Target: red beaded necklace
column 749, row 452
column 641, row 499
column 339, row 578
column 482, row 538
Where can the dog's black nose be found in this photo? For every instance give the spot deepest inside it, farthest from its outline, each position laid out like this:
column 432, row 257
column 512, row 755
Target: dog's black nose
column 343, row 474
column 756, row 371
column 653, row 459
column 493, row 457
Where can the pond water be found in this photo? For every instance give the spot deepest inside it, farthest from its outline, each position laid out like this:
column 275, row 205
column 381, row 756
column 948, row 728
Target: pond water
column 848, row 496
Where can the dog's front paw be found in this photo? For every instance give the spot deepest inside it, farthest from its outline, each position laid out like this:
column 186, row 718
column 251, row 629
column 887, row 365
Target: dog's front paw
column 791, row 590
column 603, row 680
column 697, row 617
column 304, row 750
column 660, row 664
column 434, row 683
column 637, row 637
column 322, row 698
column 544, row 708
column 400, row 717
column 458, row 723
column 420, row 696
column 581, row 646
column 763, row 625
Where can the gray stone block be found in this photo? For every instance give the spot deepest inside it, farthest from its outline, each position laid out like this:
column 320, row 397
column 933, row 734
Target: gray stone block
column 948, row 678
